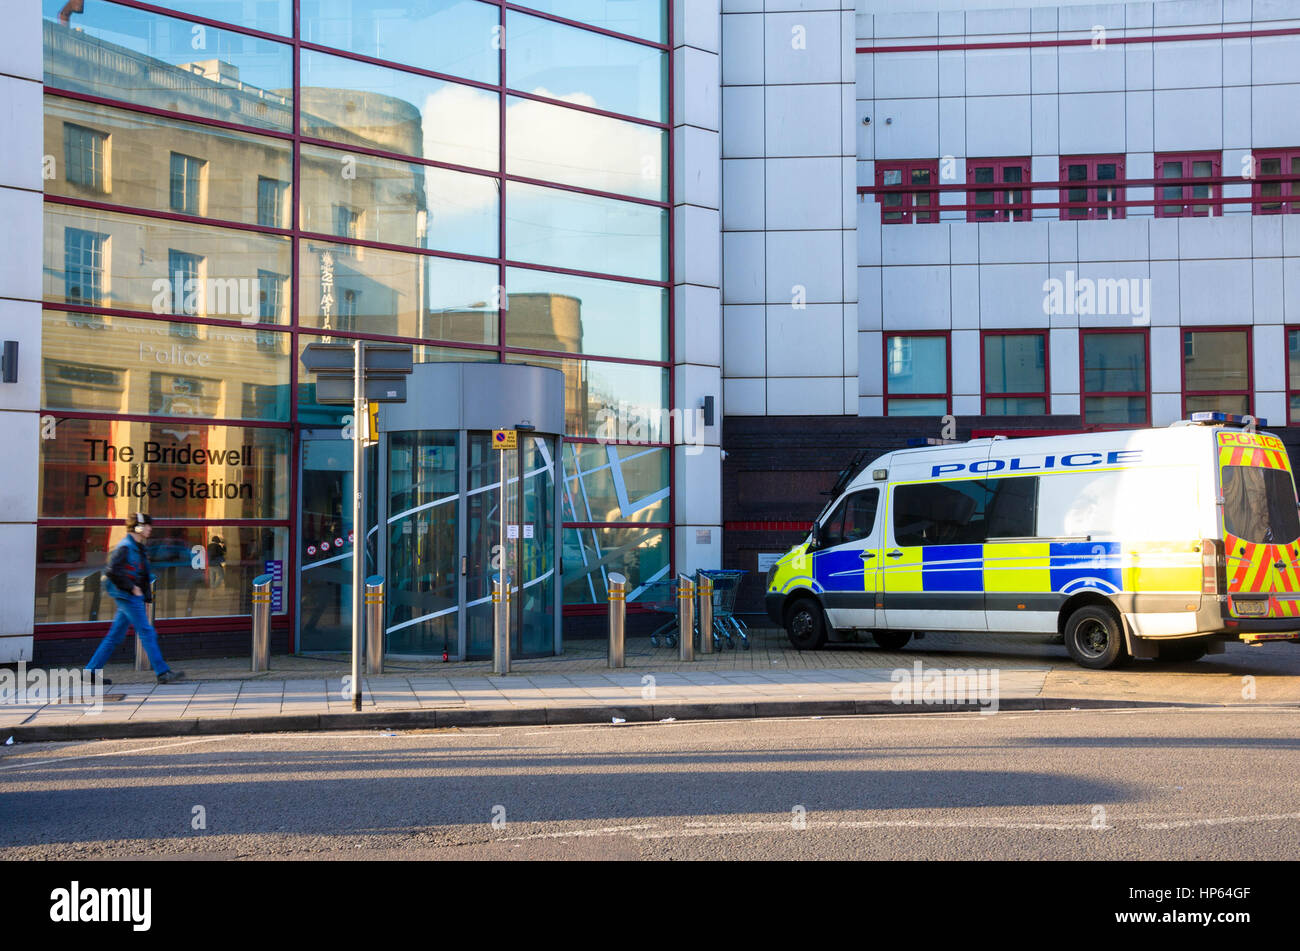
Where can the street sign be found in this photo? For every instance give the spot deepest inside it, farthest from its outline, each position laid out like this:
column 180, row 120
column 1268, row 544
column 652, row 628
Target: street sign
column 504, row 439
column 333, row 390
column 386, row 358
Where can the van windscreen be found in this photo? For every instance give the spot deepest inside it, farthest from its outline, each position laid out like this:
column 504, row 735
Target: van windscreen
column 1259, row 505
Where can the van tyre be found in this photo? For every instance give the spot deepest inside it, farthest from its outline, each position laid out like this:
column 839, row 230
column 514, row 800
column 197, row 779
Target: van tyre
column 805, row 625
column 1095, row 639
column 891, row 640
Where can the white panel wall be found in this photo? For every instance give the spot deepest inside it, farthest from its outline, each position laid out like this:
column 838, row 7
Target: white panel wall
column 21, row 124
column 1218, row 94
column 789, row 146
column 698, row 190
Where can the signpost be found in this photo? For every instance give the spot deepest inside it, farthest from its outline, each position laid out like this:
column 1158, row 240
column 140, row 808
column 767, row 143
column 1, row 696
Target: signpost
column 356, row 373
column 503, row 440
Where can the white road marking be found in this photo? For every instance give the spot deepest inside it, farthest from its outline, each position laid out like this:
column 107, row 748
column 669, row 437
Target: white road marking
column 144, row 749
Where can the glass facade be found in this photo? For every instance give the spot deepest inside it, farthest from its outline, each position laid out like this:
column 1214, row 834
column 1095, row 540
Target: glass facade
column 230, row 189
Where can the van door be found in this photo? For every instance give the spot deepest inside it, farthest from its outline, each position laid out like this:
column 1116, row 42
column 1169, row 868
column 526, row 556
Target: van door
column 846, row 566
column 933, row 557
column 1261, row 531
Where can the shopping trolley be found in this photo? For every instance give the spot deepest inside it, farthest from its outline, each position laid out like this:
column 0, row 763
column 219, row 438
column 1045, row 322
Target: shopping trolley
column 661, row 596
column 726, row 582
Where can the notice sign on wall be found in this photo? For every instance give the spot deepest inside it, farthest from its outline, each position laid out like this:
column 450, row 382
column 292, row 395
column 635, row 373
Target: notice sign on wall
column 133, row 485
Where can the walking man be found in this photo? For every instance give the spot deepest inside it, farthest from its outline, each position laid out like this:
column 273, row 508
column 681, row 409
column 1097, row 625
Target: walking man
column 130, row 582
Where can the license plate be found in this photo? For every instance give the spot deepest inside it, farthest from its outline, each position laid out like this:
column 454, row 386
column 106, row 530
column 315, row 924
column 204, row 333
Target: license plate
column 1251, row 608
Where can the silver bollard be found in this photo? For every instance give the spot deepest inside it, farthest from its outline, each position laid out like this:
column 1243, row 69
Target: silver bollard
column 262, row 622
column 141, row 658
column 501, row 625
column 617, row 617
column 686, row 617
column 704, row 591
column 375, row 624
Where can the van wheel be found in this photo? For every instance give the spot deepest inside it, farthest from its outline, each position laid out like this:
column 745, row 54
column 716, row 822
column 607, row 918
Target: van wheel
column 891, row 640
column 805, row 625
column 1183, row 651
column 1094, row 638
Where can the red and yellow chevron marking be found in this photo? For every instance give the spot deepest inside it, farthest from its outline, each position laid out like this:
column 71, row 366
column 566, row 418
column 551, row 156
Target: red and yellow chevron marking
column 1252, row 570
column 1252, row 449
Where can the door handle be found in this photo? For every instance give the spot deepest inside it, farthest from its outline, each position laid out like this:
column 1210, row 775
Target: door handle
column 867, row 554
column 895, row 554
column 464, row 564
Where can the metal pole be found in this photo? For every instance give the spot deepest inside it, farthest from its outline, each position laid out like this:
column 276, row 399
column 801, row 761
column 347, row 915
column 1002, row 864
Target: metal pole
column 375, row 624
column 501, row 593
column 358, row 514
column 518, row 572
column 141, row 658
column 704, row 590
column 262, row 622
column 686, row 617
column 617, row 617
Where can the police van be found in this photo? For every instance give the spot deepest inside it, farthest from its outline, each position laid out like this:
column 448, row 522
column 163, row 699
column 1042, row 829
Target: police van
column 1149, row 543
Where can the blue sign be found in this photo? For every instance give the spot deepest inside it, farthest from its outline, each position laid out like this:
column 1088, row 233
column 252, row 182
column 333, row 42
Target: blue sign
column 277, row 598
column 276, row 570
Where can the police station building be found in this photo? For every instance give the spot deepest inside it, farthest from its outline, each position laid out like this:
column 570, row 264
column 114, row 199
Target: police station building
column 706, row 249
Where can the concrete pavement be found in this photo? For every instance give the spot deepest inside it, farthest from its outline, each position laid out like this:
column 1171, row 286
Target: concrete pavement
column 307, row 693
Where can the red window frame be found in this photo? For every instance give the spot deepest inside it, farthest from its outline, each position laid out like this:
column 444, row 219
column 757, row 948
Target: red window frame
column 1045, row 394
column 1287, row 199
column 947, row 370
column 1292, row 384
column 1099, row 206
column 1145, row 392
column 909, row 209
column 1186, row 205
column 1008, row 204
column 1248, row 391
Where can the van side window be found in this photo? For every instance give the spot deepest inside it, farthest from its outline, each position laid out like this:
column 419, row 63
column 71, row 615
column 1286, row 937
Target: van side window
column 940, row 513
column 852, row 519
column 1012, row 507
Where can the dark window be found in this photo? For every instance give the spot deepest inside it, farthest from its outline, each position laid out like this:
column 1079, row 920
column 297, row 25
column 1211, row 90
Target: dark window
column 852, row 519
column 1259, row 505
column 1114, row 377
column 940, row 513
column 1271, row 198
column 270, row 296
column 1096, row 177
column 1015, row 373
column 83, row 266
column 1187, row 166
column 1216, row 371
column 1012, row 507
column 187, row 289
column 270, row 202
column 999, row 188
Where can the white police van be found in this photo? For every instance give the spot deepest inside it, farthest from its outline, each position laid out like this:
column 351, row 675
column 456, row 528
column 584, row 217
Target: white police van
column 1156, row 542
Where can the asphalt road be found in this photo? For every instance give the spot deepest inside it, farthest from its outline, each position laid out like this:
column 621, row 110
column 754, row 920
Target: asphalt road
column 1132, row 784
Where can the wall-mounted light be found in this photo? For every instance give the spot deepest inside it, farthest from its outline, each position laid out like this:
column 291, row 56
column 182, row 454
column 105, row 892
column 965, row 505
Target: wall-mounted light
column 9, row 373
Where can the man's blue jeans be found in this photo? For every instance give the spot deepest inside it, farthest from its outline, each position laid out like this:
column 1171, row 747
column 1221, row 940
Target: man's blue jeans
column 131, row 612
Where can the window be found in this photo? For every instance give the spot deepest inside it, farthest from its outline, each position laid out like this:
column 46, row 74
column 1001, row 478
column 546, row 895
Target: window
column 916, row 374
column 1094, row 173
column 85, row 154
column 1114, row 377
column 187, row 289
column 1187, row 165
column 1015, row 373
column 347, row 222
column 270, row 296
column 903, row 207
column 185, row 183
column 1277, row 162
column 966, row 512
column 1293, row 373
column 1003, row 204
column 1216, row 371
column 270, row 202
column 852, row 519
column 83, row 266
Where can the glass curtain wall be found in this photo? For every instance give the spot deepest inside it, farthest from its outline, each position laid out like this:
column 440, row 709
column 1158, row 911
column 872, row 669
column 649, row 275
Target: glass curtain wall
column 227, row 182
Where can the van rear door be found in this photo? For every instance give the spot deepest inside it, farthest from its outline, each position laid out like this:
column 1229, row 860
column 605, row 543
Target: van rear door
column 1261, row 526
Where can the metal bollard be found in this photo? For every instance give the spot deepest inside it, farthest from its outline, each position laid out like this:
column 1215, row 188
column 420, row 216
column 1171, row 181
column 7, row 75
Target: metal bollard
column 617, row 617
column 262, row 622
column 375, row 624
column 141, row 658
column 501, row 624
column 686, row 617
column 704, row 591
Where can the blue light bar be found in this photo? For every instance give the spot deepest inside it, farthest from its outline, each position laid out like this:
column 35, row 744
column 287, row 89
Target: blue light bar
column 1230, row 419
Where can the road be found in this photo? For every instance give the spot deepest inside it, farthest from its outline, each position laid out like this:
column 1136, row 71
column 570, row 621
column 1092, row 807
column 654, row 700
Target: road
column 1125, row 784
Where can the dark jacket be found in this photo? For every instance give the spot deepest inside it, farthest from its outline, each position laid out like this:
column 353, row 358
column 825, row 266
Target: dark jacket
column 128, row 568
